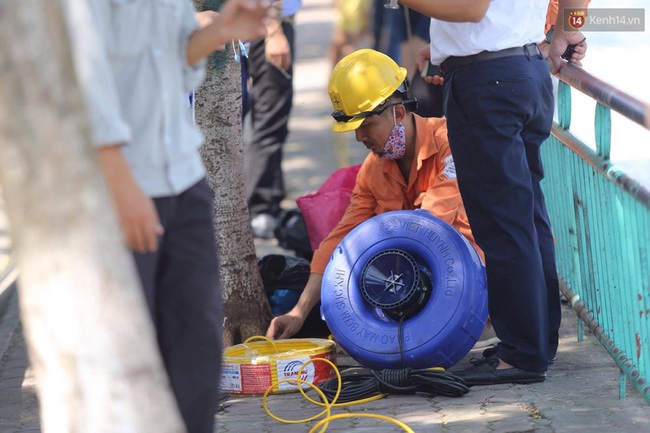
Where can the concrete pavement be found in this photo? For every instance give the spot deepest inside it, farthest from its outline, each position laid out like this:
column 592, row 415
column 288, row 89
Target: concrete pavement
column 18, row 403
column 580, row 394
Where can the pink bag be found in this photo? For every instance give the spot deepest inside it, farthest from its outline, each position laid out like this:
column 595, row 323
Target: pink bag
column 324, row 208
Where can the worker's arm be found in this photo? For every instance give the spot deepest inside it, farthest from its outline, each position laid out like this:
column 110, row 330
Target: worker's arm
column 361, row 208
column 237, row 19
column 450, row 10
column 287, row 325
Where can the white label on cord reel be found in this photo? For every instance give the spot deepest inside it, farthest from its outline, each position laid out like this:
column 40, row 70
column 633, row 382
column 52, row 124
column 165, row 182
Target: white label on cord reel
column 231, row 377
column 245, row 378
column 288, row 369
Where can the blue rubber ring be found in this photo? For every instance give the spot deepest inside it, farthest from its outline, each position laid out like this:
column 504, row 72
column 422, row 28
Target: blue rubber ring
column 447, row 326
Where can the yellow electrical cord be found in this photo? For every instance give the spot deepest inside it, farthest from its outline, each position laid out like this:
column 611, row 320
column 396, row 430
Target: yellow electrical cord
column 297, row 381
column 260, row 337
column 327, row 420
column 327, row 409
column 328, row 405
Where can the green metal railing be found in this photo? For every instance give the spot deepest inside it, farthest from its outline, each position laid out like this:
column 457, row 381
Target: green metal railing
column 601, row 221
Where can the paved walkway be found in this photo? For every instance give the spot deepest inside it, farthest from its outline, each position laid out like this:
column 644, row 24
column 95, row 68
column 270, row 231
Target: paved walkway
column 580, row 394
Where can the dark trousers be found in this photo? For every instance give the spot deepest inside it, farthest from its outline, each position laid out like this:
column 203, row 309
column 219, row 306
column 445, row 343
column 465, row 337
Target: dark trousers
column 271, row 96
column 181, row 285
column 498, row 113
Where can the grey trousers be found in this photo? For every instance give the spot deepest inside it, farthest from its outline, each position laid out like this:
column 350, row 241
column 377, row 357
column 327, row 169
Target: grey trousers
column 181, row 285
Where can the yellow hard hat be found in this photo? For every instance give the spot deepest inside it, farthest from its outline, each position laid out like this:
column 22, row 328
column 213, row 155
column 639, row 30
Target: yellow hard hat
column 359, row 83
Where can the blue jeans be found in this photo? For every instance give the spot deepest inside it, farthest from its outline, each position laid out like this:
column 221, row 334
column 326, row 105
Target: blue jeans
column 498, row 114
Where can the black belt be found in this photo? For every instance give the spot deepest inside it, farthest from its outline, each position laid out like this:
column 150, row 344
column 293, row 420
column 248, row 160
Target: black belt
column 454, row 62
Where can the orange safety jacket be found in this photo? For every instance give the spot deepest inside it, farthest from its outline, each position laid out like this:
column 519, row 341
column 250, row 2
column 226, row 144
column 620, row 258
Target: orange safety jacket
column 380, row 188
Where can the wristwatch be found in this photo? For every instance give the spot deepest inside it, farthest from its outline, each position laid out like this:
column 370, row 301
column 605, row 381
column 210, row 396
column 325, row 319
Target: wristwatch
column 549, row 35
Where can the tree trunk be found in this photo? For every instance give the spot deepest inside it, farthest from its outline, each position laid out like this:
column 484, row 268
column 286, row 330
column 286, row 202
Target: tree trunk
column 90, row 340
column 218, row 113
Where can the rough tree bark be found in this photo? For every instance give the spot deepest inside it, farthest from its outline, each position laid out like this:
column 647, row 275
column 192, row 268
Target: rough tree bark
column 90, row 341
column 218, row 113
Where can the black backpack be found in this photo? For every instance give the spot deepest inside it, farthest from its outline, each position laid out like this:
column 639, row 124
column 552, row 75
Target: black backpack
column 292, row 235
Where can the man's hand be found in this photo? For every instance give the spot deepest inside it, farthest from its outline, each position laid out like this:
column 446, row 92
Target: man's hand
column 559, row 43
column 423, row 62
column 139, row 218
column 244, row 19
column 137, row 212
column 205, row 18
column 561, row 39
column 285, row 326
column 277, row 49
column 237, row 19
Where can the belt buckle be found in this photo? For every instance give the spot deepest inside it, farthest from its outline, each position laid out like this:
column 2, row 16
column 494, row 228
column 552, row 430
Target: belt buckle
column 529, row 54
column 442, row 68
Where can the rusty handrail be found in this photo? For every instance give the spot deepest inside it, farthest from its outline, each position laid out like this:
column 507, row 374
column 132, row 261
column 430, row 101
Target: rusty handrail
column 601, row 220
column 606, row 168
column 608, row 95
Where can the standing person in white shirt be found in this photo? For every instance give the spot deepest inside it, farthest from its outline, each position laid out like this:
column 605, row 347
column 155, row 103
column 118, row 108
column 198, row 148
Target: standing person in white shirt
column 136, row 62
column 498, row 100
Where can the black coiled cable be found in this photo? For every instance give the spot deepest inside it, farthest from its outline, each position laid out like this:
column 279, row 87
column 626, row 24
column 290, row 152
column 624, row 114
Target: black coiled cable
column 358, row 383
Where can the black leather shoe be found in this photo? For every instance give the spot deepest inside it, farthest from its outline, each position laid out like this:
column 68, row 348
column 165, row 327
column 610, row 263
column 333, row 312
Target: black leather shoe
column 484, row 372
column 492, row 351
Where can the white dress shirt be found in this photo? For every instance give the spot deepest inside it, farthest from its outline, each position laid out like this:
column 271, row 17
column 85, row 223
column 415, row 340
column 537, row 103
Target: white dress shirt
column 131, row 62
column 507, row 24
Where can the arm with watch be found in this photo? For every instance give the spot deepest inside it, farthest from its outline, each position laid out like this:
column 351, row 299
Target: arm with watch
column 566, row 45
column 545, row 45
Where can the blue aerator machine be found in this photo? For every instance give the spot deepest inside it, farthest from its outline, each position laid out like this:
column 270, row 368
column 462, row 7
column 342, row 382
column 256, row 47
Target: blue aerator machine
column 405, row 290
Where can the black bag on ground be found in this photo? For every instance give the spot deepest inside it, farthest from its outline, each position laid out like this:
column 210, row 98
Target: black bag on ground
column 292, row 234
column 284, row 278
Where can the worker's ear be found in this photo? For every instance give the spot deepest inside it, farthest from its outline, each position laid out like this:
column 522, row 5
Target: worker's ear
column 400, row 113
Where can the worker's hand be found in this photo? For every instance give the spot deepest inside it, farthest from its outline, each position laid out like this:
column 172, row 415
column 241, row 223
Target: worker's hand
column 559, row 43
column 285, row 326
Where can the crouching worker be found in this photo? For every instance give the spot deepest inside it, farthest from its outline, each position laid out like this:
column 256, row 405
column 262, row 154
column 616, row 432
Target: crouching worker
column 409, row 167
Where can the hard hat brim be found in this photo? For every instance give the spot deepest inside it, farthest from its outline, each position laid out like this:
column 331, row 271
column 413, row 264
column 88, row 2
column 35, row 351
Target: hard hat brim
column 347, row 126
